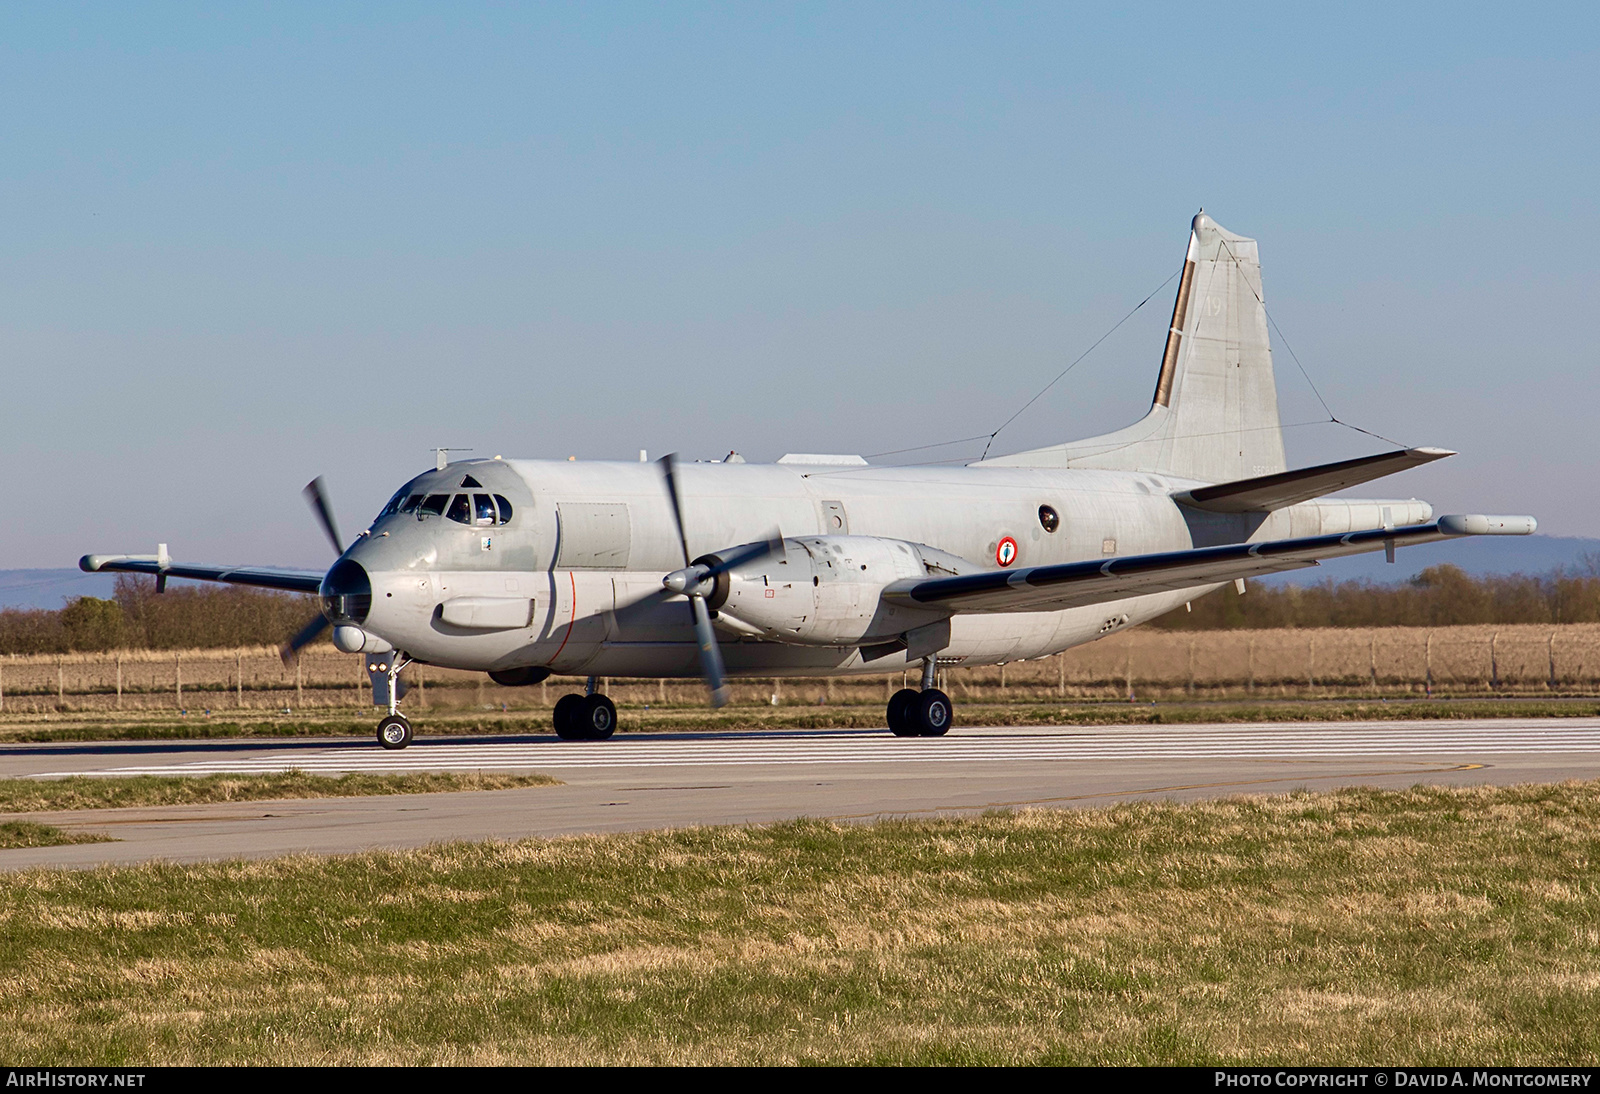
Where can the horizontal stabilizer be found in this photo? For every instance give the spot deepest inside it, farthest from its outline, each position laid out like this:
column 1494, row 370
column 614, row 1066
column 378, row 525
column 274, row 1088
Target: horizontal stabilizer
column 1269, row 492
column 1075, row 584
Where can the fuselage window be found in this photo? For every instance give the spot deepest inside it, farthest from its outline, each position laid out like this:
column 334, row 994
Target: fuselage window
column 505, row 508
column 482, row 509
column 460, row 510
column 435, row 504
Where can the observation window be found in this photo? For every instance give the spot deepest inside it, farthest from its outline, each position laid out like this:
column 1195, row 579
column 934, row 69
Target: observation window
column 1049, row 519
column 460, row 510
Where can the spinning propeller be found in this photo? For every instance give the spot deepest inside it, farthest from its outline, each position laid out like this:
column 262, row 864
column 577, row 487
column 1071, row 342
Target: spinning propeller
column 697, row 580
column 316, row 496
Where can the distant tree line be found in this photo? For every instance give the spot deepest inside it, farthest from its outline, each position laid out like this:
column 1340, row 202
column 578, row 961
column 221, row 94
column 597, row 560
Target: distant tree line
column 1440, row 596
column 209, row 617
column 136, row 617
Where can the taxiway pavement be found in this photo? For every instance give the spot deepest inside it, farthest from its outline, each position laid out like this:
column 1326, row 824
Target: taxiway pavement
column 678, row 780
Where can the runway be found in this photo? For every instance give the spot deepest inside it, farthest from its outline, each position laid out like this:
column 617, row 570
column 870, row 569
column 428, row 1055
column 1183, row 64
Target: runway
column 979, row 746
column 654, row 781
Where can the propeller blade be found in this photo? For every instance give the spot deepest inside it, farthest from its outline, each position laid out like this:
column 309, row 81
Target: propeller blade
column 710, row 653
column 669, row 471
column 317, row 495
column 693, row 577
column 306, row 635
column 732, row 560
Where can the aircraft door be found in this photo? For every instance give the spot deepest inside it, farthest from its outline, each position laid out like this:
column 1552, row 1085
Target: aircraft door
column 593, row 536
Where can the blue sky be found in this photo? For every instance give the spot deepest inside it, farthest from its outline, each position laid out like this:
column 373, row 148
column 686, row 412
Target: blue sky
column 244, row 245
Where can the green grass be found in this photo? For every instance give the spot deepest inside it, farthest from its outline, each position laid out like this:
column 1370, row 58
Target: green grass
column 28, row 834
column 1425, row 927
column 110, row 792
column 658, row 719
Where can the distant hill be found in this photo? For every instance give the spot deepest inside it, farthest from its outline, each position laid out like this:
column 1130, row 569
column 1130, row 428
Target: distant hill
column 1477, row 555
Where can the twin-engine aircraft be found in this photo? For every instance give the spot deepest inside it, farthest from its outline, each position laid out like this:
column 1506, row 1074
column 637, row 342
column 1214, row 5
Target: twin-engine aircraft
column 828, row 566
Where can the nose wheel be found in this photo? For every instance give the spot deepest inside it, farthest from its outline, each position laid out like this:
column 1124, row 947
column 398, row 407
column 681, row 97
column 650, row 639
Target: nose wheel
column 394, row 731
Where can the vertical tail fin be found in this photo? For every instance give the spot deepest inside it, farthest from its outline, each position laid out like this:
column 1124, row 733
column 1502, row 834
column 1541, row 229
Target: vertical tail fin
column 1215, row 412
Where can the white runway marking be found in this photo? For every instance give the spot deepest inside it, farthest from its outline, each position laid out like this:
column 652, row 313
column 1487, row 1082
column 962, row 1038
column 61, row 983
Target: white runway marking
column 1453, row 740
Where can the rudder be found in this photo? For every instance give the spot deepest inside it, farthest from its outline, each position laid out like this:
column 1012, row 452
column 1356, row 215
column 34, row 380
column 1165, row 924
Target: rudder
column 1214, row 416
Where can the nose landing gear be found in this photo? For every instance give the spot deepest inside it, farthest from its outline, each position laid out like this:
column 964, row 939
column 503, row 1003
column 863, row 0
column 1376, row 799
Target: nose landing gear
column 383, row 669
column 925, row 713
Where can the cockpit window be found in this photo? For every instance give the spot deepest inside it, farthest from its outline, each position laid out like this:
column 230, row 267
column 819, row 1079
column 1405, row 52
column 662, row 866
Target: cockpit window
column 394, row 503
column 482, row 509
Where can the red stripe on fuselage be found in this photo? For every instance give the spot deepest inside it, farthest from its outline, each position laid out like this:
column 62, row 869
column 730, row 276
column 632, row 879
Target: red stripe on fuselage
column 573, row 577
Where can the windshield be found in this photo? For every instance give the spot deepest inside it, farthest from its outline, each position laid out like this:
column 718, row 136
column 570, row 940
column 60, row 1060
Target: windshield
column 474, row 509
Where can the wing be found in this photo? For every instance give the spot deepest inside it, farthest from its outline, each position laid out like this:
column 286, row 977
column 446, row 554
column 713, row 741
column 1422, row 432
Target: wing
column 1072, row 584
column 260, row 577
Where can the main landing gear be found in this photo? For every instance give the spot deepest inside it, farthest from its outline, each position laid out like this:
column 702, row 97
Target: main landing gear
column 587, row 717
column 925, row 713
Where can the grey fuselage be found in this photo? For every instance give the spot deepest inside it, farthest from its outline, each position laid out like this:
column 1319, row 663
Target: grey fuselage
column 588, row 543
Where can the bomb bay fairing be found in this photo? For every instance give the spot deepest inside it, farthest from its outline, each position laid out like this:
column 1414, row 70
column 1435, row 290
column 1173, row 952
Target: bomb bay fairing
column 822, row 566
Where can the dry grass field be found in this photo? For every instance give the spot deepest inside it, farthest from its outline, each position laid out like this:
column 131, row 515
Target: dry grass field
column 1429, row 926
column 108, row 792
column 113, row 792
column 1146, row 663
column 33, row 834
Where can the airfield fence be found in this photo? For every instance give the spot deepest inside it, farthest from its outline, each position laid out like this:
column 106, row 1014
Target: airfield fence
column 1142, row 664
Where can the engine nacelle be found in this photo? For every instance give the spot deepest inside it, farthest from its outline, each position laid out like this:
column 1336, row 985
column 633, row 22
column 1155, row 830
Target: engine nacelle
column 827, row 590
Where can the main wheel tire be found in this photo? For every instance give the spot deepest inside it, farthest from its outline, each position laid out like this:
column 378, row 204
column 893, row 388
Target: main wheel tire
column 598, row 718
column 565, row 716
column 932, row 713
column 900, row 723
column 394, row 732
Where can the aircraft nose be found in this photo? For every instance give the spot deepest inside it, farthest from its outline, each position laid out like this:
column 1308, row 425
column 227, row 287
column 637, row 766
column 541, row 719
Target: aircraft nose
column 346, row 593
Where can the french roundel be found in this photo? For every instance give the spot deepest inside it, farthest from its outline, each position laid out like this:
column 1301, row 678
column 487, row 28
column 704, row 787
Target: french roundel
column 1006, row 553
